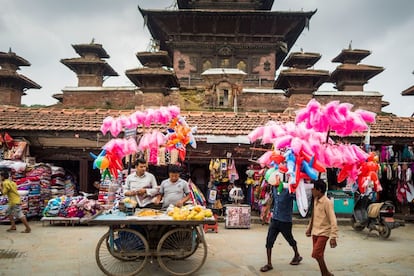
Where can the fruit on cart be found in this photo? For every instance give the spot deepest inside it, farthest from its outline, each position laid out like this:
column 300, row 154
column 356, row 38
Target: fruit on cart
column 148, row 213
column 208, row 213
column 196, row 212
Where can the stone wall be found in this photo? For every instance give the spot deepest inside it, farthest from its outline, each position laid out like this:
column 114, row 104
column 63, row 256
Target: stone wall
column 372, row 104
column 262, row 102
column 101, row 99
column 10, row 97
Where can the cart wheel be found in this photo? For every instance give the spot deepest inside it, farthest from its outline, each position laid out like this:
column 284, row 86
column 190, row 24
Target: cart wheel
column 182, row 251
column 121, row 252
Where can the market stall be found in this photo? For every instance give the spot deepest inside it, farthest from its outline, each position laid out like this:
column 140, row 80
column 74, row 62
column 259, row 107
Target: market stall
column 176, row 241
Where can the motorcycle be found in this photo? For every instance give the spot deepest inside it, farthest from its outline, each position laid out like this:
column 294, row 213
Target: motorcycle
column 374, row 216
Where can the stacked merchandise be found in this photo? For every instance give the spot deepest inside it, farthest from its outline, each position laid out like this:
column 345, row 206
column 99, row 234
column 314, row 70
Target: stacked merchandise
column 30, row 187
column 70, row 207
column 70, row 186
column 110, row 190
column 57, row 187
column 3, row 208
column 43, row 172
column 17, row 172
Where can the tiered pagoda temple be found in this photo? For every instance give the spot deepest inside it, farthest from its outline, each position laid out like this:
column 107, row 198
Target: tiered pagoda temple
column 240, row 34
column 13, row 84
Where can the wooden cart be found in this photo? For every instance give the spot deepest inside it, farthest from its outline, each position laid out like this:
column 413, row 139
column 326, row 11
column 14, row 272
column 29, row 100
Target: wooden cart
column 179, row 246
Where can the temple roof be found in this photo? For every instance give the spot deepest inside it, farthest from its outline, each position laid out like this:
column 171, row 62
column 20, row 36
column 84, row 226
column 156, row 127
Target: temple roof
column 75, row 63
column 291, row 76
column 168, row 26
column 90, row 48
column 12, row 58
column 352, row 56
column 25, row 82
column 154, row 59
column 226, row 4
column 408, row 92
column 301, row 60
column 368, row 71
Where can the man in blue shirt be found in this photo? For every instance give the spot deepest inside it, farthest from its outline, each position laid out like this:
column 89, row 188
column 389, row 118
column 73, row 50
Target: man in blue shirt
column 281, row 222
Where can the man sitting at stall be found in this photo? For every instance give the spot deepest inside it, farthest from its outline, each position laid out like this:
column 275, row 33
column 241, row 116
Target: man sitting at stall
column 174, row 190
column 141, row 186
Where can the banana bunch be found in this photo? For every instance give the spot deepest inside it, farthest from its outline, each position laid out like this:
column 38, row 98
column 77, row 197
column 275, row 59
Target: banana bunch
column 196, row 212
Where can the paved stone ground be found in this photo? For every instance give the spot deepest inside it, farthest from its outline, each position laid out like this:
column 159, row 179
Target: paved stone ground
column 67, row 250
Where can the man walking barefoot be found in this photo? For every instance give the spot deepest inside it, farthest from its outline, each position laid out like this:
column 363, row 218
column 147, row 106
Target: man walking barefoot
column 322, row 225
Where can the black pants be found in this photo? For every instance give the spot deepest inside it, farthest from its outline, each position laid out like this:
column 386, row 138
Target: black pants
column 276, row 227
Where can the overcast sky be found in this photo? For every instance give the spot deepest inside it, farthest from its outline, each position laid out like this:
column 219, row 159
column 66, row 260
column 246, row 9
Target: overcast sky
column 43, row 31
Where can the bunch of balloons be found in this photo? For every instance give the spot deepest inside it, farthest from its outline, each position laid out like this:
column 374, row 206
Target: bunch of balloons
column 108, row 162
column 179, row 135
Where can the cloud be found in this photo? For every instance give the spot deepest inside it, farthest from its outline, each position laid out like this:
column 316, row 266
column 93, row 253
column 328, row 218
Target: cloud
column 43, row 31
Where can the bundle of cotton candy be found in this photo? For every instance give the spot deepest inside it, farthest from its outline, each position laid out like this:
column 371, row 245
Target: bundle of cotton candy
column 121, row 147
column 151, row 140
column 147, row 117
column 334, row 116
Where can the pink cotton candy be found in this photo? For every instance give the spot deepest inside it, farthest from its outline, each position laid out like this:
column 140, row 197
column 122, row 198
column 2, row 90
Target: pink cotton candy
column 367, row 116
column 124, row 121
column 161, row 138
column 282, row 142
column 139, row 117
column 301, row 115
column 290, row 128
column 302, row 132
column 149, row 117
column 132, row 146
column 106, row 124
column 344, row 109
column 265, row 158
column 267, row 135
column 144, row 142
column 256, row 134
column 174, row 110
column 306, row 147
column 165, row 116
column 278, row 130
column 359, row 153
column 115, row 127
column 296, row 144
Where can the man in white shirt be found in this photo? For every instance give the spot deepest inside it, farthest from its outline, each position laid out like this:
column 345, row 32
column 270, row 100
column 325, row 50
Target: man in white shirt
column 141, row 185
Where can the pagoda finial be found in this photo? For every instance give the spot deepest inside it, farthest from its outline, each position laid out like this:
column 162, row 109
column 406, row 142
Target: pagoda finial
column 154, row 45
column 93, row 40
column 350, row 45
column 10, row 50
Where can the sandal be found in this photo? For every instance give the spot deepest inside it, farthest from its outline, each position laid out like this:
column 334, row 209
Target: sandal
column 26, row 231
column 296, row 261
column 266, row 267
column 11, row 229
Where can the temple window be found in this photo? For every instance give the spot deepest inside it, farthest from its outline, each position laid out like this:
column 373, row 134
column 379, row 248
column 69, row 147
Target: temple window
column 223, row 98
column 206, row 65
column 241, row 66
column 266, row 66
column 181, row 64
column 225, row 63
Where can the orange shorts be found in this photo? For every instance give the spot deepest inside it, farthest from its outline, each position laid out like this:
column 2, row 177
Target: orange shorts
column 319, row 243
